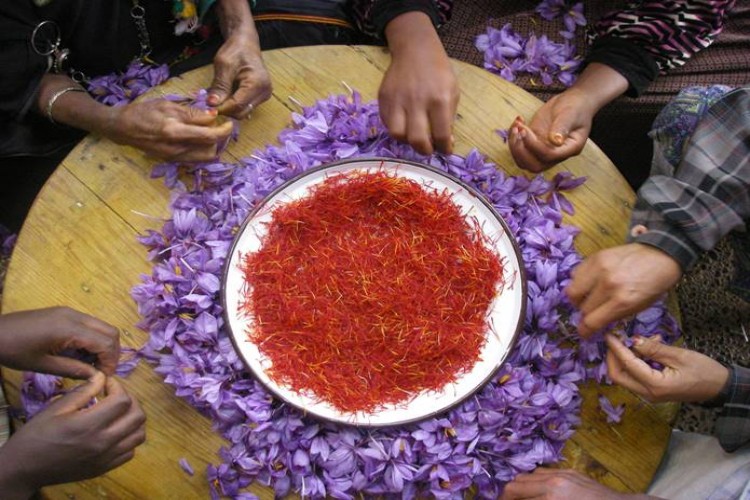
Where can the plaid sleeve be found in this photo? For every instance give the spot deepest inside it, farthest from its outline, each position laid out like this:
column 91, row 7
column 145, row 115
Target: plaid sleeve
column 372, row 16
column 733, row 424
column 709, row 194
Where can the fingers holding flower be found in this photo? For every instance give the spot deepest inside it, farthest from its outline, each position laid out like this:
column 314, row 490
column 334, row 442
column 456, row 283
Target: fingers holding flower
column 169, row 130
column 44, row 340
column 241, row 81
column 687, row 375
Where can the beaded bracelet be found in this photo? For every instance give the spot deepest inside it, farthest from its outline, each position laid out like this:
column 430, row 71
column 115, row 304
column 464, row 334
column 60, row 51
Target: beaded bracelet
column 56, row 96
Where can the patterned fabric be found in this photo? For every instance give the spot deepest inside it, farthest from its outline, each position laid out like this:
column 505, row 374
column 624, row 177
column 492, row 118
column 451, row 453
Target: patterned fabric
column 689, row 208
column 670, row 31
column 733, row 425
column 371, row 16
column 679, row 118
column 188, row 14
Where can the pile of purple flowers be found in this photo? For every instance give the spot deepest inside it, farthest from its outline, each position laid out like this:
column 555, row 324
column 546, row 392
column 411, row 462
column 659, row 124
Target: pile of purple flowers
column 118, row 89
column 519, row 421
column 508, row 54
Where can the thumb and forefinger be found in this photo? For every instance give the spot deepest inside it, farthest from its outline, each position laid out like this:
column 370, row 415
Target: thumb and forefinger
column 559, row 131
column 221, row 86
column 628, row 366
column 79, row 397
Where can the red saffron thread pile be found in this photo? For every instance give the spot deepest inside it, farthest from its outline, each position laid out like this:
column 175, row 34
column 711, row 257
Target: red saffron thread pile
column 370, row 290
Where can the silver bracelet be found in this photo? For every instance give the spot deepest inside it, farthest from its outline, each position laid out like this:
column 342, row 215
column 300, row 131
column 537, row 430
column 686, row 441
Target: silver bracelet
column 56, row 96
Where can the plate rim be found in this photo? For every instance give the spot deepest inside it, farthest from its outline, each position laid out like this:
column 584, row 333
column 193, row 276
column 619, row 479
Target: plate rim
column 474, row 192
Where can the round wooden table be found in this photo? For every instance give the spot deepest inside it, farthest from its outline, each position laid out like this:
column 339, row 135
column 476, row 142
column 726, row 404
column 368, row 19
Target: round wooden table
column 78, row 248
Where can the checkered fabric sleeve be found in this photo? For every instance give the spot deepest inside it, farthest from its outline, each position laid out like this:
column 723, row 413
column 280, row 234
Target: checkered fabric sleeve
column 689, row 210
column 733, row 424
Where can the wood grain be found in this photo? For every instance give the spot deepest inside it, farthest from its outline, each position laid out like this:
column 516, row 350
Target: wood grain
column 78, row 248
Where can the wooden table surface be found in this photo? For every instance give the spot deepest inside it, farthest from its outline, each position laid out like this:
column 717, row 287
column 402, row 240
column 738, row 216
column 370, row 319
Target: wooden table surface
column 78, row 248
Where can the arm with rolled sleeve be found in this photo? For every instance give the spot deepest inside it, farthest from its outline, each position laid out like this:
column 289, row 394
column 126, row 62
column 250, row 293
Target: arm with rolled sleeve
column 709, row 194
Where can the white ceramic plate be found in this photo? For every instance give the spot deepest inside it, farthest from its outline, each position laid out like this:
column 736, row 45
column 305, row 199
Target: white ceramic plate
column 506, row 313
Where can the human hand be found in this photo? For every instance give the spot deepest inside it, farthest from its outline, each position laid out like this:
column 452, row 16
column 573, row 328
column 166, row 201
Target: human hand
column 557, row 131
column 687, row 375
column 241, row 81
column 168, row 130
column 553, row 484
column 419, row 93
column 37, row 340
column 620, row 281
column 69, row 441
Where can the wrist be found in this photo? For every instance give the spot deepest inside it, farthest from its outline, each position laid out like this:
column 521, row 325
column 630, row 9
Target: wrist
column 411, row 31
column 105, row 121
column 235, row 19
column 721, row 382
column 599, row 85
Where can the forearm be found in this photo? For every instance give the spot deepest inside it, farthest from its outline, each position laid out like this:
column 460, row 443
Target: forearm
column 411, row 31
column 236, row 19
column 76, row 109
column 600, row 85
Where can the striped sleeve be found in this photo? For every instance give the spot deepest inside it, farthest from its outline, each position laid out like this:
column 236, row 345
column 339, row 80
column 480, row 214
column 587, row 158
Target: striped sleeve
column 709, row 194
column 670, row 31
column 372, row 16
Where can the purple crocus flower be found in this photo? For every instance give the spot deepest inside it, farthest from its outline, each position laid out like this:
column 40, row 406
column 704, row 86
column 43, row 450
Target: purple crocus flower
column 123, row 88
column 185, row 465
column 614, row 413
column 550, row 9
column 517, row 422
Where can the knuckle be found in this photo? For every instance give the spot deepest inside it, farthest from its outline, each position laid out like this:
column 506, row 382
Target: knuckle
column 99, row 446
column 110, row 343
column 123, row 403
column 140, row 418
column 64, row 312
column 557, row 483
column 169, row 131
column 140, row 437
column 222, row 59
column 441, row 100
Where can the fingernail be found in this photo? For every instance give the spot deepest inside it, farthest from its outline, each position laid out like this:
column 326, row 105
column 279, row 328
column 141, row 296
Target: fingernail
column 638, row 230
column 557, row 139
column 520, row 119
column 522, row 133
column 638, row 340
